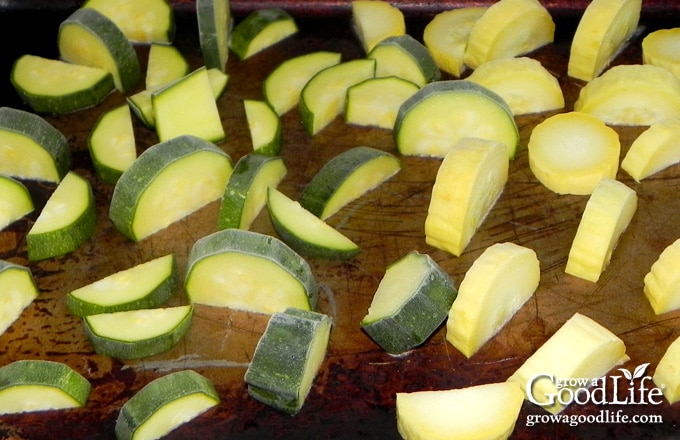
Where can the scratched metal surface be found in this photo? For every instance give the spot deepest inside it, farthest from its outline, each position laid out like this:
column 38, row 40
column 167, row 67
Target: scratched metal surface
column 353, row 395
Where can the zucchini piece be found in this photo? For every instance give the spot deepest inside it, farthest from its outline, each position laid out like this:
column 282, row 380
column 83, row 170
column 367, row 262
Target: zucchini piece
column 141, row 21
column 580, row 348
column 167, row 182
column 246, row 192
column 602, row 31
column 411, row 302
column 658, row 49
column 666, row 374
column 306, row 233
column 58, row 87
column 200, row 117
column 655, row 149
column 112, row 143
column 495, row 287
column 15, row 201
column 346, row 177
column 32, row 148
column 375, row 20
column 283, row 85
column 164, row 404
column 509, row 28
column 662, row 282
column 287, row 358
column 247, row 270
column 469, row 181
column 488, row 411
column 260, row 30
column 89, row 38
column 523, row 83
column 18, row 289
column 441, row 113
column 145, row 286
column 446, row 35
column 631, row 94
column 376, row 101
column 165, row 64
column 323, row 97
column 568, row 164
column 214, row 26
column 608, row 213
column 135, row 334
column 218, row 81
column 405, row 57
column 264, row 126
column 40, row 385
column 67, row 220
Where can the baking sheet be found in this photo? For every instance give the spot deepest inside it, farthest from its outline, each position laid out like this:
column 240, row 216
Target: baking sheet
column 353, row 395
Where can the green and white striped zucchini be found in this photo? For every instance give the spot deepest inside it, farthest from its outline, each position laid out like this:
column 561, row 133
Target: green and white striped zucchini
column 32, row 148
column 40, row 385
column 90, row 38
column 145, row 286
column 135, row 334
column 248, row 270
column 67, row 220
column 246, row 192
column 167, row 182
column 164, row 404
column 57, row 87
column 287, row 358
column 346, row 177
column 411, row 302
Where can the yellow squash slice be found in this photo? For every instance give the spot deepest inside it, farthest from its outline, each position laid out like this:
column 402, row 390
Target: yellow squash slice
column 662, row 283
column 659, row 48
column 653, row 150
column 667, row 376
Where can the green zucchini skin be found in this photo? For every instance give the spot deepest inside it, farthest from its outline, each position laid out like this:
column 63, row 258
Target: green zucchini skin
column 325, row 183
column 258, row 245
column 214, row 32
column 141, row 348
column 43, row 372
column 245, row 31
column 419, row 317
column 275, row 373
column 59, row 104
column 120, row 48
column 41, row 132
column 158, row 393
column 413, row 48
column 150, row 164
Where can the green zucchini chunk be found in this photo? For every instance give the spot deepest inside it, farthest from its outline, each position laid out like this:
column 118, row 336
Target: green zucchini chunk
column 89, row 38
column 306, row 233
column 413, row 299
column 18, row 289
column 376, row 101
column 145, row 286
column 404, row 57
column 112, row 144
column 31, row 148
column 214, row 24
column 40, row 385
column 141, row 21
column 287, row 358
column 15, row 201
column 167, row 182
column 346, row 177
column 248, row 270
column 57, row 87
column 136, row 334
column 264, row 126
column 441, row 113
column 164, row 404
column 67, row 220
column 260, row 30
column 246, row 192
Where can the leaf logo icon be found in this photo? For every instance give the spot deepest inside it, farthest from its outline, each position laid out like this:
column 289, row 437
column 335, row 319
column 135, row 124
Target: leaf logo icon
column 637, row 373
